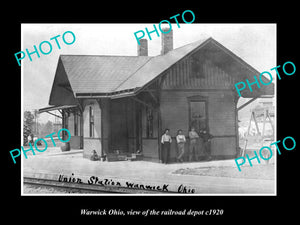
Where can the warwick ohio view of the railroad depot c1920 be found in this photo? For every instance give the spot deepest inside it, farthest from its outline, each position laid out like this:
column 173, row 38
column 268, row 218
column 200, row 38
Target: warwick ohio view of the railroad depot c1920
column 160, row 115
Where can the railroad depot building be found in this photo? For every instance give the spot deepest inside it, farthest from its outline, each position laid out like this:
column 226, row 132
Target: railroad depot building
column 122, row 104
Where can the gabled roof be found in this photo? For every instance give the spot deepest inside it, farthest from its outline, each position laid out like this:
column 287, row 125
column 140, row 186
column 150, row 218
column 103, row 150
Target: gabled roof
column 111, row 76
column 99, row 73
column 108, row 74
column 156, row 66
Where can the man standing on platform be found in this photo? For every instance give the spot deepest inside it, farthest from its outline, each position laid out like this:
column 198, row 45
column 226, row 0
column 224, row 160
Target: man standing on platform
column 166, row 141
column 180, row 138
column 206, row 144
column 193, row 148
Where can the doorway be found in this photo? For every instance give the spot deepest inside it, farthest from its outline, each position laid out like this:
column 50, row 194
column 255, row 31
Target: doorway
column 198, row 115
column 119, row 131
column 198, row 119
column 138, row 128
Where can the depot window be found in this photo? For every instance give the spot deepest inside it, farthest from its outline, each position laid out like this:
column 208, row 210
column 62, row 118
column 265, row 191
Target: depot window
column 91, row 121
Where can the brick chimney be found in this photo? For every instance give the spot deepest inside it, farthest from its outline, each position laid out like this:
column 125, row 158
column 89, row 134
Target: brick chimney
column 142, row 49
column 166, row 41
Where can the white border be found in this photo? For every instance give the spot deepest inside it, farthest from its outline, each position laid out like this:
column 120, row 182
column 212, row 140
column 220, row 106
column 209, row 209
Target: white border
column 182, row 195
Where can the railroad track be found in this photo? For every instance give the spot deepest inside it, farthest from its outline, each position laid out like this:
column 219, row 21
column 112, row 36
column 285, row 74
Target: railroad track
column 86, row 188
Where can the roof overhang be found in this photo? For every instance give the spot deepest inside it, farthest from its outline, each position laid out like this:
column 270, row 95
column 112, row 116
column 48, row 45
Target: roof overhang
column 148, row 71
column 239, row 69
column 52, row 108
column 112, row 95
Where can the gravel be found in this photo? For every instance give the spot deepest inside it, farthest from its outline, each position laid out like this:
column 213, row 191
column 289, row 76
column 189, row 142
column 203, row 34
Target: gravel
column 266, row 172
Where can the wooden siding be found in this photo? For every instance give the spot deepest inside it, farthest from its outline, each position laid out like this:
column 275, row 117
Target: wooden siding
column 131, row 125
column 71, row 124
column 119, row 131
column 208, row 76
column 221, row 117
column 221, row 110
column 75, row 139
column 97, row 118
column 150, row 148
column 154, row 123
column 92, row 143
column 224, row 147
column 106, row 128
column 61, row 92
column 191, row 78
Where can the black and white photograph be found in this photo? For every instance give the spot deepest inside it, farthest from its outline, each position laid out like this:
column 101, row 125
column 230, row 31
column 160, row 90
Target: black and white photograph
column 149, row 109
column 149, row 113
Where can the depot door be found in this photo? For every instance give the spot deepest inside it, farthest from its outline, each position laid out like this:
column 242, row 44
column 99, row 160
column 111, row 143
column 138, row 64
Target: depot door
column 119, row 132
column 198, row 115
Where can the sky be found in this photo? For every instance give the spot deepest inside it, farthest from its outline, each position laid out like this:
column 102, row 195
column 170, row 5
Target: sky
column 254, row 43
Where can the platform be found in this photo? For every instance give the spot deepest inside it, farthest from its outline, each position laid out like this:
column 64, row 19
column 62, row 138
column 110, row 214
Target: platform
column 55, row 165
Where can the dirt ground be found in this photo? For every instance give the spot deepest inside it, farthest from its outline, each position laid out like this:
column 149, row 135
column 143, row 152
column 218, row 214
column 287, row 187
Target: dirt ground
column 266, row 172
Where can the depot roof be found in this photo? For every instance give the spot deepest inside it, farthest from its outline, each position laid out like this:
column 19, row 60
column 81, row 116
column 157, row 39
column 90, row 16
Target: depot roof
column 111, row 76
